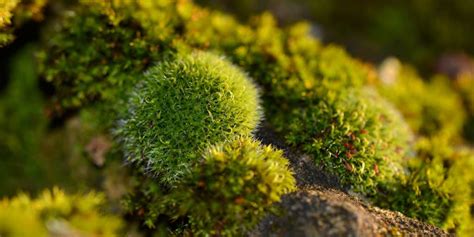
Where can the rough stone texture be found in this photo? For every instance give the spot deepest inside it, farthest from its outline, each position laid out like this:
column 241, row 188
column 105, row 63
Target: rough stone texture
column 322, row 207
column 320, row 211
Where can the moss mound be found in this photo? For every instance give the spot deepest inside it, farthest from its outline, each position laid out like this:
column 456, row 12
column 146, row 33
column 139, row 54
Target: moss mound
column 231, row 189
column 183, row 106
column 355, row 135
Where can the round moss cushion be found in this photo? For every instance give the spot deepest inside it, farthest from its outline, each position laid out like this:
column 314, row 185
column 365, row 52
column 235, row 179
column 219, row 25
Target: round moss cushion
column 181, row 107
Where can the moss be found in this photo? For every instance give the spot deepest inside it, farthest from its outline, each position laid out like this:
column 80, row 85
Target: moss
column 439, row 188
column 13, row 13
column 181, row 107
column 229, row 191
column 353, row 134
column 56, row 213
column 431, row 108
column 6, row 14
column 130, row 36
column 316, row 96
column 115, row 57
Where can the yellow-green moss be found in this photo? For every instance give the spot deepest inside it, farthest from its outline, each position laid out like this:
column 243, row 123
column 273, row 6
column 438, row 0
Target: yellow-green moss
column 315, row 96
column 431, row 108
column 227, row 193
column 13, row 13
column 56, row 213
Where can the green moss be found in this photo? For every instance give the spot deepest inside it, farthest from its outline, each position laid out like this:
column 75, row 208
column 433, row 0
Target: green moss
column 181, row 107
column 13, row 13
column 431, row 108
column 131, row 36
column 353, row 134
column 315, row 96
column 439, row 188
column 416, row 31
column 229, row 191
column 56, row 213
column 97, row 69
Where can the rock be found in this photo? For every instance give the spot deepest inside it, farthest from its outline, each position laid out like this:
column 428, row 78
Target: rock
column 319, row 211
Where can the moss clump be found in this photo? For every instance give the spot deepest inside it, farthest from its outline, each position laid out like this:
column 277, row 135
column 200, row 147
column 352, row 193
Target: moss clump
column 430, row 108
column 181, row 107
column 229, row 191
column 355, row 135
column 55, row 213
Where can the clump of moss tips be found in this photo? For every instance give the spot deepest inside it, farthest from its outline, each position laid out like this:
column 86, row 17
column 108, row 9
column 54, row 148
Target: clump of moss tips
column 228, row 191
column 181, row 107
column 55, row 213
